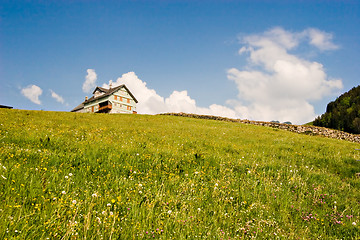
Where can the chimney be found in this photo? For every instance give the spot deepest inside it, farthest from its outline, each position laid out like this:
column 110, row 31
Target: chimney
column 86, row 98
column 110, row 85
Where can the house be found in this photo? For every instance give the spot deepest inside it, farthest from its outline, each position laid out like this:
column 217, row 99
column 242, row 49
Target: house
column 113, row 100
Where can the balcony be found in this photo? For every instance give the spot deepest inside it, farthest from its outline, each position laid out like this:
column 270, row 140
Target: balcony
column 105, row 108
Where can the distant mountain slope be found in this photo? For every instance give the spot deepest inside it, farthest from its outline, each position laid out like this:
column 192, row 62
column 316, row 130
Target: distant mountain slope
column 343, row 113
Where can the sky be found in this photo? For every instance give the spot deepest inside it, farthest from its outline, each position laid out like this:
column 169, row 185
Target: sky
column 257, row 60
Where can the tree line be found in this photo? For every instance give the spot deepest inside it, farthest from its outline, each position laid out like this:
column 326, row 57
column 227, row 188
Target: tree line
column 343, row 113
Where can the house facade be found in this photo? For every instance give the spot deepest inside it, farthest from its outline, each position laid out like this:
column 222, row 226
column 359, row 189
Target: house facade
column 113, row 100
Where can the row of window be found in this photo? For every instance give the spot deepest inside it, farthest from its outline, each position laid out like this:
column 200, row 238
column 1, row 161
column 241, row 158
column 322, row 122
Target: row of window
column 120, row 105
column 127, row 108
column 121, row 98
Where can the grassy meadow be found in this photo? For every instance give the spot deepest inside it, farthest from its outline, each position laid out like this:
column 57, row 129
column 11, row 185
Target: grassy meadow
column 97, row 176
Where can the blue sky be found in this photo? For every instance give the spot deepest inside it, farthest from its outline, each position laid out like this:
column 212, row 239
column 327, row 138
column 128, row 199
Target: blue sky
column 260, row 60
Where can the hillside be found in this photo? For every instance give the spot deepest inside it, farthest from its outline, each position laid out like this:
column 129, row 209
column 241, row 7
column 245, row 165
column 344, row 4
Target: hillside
column 98, row 176
column 303, row 129
column 343, row 113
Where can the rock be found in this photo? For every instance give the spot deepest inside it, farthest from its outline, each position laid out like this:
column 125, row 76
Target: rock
column 304, row 129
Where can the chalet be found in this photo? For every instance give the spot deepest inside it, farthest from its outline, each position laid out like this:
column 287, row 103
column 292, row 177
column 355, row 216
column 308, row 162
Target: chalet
column 113, row 100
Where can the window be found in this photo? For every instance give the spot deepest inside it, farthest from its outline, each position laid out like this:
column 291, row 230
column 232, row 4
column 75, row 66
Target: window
column 115, row 97
column 120, row 98
column 92, row 109
column 128, row 100
column 128, row 108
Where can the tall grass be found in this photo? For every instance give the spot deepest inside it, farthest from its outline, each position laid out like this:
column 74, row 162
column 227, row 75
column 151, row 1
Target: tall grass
column 97, row 176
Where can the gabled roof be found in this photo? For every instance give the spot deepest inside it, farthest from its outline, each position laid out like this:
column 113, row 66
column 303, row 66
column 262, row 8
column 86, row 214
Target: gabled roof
column 108, row 92
column 104, row 90
column 79, row 107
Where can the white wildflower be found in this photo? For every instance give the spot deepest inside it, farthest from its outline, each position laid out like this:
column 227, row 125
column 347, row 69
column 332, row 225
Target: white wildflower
column 94, row 195
column 109, row 204
column 70, row 174
column 3, row 177
column 63, row 192
column 354, row 223
column 66, row 177
column 169, row 212
column 74, row 201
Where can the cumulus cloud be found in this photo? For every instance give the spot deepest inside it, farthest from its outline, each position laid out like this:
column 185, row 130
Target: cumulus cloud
column 283, row 84
column 320, row 39
column 90, row 81
column 276, row 84
column 32, row 93
column 57, row 97
column 179, row 101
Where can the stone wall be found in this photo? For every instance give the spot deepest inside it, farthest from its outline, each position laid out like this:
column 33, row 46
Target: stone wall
column 304, row 129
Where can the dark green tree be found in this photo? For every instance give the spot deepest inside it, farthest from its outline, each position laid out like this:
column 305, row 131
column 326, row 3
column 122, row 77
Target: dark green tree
column 343, row 113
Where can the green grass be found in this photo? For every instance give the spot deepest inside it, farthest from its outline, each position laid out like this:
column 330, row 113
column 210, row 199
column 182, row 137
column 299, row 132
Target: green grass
column 97, row 176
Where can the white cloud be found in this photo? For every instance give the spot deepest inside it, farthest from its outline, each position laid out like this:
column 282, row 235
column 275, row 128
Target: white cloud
column 149, row 101
column 276, row 85
column 90, row 81
column 320, row 39
column 57, row 97
column 32, row 93
column 285, row 84
column 179, row 101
